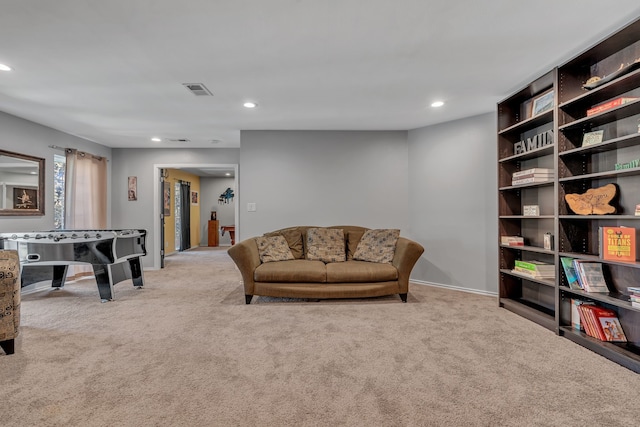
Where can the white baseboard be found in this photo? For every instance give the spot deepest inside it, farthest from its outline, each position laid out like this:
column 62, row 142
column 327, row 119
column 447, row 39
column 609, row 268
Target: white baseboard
column 455, row 288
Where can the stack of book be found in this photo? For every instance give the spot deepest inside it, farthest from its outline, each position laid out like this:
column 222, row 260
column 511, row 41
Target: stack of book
column 535, row 269
column 634, row 296
column 599, row 322
column 532, row 175
column 512, row 240
column 585, row 275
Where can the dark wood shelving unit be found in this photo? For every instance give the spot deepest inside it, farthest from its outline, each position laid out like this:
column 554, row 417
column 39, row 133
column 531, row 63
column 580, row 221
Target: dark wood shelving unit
column 581, row 168
column 526, row 296
column 577, row 169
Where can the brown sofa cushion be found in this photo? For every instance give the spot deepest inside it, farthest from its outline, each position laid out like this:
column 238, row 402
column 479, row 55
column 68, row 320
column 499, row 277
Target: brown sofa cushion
column 274, row 248
column 294, row 271
column 326, row 245
column 353, row 238
column 377, row 246
column 294, row 240
column 360, row 271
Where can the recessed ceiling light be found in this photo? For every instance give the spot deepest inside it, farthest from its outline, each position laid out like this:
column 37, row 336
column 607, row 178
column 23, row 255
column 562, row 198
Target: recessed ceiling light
column 156, row 139
column 4, row 67
column 227, row 174
column 250, row 104
column 437, row 104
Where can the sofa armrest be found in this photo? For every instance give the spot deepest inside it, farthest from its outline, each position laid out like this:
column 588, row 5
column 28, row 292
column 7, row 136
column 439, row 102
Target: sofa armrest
column 245, row 255
column 407, row 254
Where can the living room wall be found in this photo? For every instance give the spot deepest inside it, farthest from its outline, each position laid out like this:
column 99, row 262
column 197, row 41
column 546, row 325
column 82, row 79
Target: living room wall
column 26, row 137
column 323, row 178
column 142, row 162
column 377, row 179
column 453, row 203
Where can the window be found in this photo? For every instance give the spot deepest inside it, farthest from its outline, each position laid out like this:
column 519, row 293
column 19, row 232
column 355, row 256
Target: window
column 59, row 167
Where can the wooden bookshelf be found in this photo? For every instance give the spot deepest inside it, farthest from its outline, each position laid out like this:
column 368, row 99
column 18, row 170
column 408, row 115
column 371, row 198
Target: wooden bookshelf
column 531, row 298
column 577, row 169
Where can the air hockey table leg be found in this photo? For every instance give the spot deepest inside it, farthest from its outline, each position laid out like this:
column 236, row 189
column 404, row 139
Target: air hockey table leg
column 137, row 276
column 59, row 276
column 103, row 279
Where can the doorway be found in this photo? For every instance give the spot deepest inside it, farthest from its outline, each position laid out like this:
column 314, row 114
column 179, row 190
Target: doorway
column 202, row 170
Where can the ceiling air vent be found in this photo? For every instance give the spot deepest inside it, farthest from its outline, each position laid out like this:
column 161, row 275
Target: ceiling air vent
column 178, row 140
column 198, row 89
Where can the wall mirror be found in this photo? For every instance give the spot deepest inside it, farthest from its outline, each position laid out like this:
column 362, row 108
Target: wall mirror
column 21, row 184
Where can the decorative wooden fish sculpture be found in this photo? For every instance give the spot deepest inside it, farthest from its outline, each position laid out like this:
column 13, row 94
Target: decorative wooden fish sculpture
column 594, row 202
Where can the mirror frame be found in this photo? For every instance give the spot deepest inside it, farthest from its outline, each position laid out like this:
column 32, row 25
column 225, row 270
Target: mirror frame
column 28, row 212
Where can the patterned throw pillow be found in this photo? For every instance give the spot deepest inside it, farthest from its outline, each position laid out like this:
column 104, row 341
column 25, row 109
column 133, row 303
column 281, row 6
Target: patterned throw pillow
column 325, row 244
column 274, row 248
column 294, row 240
column 377, row 246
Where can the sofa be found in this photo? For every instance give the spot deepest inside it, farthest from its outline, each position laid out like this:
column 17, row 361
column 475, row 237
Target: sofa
column 326, row 262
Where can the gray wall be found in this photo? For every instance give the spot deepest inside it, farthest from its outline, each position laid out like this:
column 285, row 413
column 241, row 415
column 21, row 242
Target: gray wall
column 437, row 184
column 22, row 136
column 210, row 190
column 142, row 163
column 323, row 178
column 453, row 203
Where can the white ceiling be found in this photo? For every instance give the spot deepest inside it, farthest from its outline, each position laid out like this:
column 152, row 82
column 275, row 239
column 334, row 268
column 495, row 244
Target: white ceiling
column 112, row 71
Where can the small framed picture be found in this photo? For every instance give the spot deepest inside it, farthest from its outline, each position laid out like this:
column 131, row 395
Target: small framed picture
column 194, row 198
column 592, row 138
column 214, row 215
column 542, row 104
column 132, row 185
column 25, row 198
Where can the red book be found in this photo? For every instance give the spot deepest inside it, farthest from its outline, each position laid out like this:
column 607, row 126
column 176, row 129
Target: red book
column 618, row 243
column 609, row 105
column 585, row 318
column 609, row 328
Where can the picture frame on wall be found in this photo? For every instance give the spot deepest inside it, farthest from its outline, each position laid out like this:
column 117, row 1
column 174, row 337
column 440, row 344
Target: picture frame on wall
column 194, row 198
column 25, row 198
column 542, row 103
column 132, row 188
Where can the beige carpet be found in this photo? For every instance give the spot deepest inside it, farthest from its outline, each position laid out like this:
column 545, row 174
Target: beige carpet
column 187, row 351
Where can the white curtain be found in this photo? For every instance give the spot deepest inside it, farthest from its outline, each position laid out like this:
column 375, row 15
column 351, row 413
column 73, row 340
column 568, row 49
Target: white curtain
column 85, row 197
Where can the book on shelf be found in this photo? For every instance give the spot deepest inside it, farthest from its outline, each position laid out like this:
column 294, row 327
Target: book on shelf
column 617, row 243
column 531, row 180
column 535, row 269
column 532, row 171
column 512, row 240
column 576, row 322
column 634, row 296
column 590, row 276
column 612, row 329
column 600, row 108
column 570, row 272
column 601, row 323
column 532, row 175
column 592, row 138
